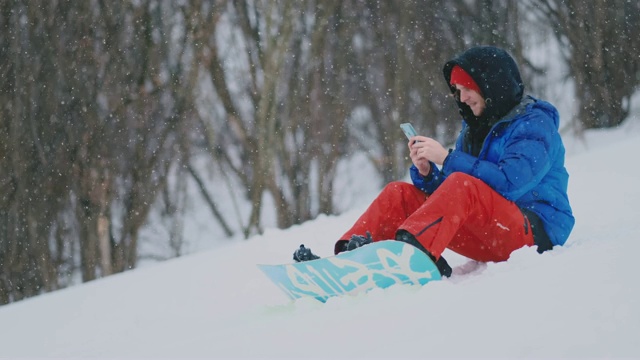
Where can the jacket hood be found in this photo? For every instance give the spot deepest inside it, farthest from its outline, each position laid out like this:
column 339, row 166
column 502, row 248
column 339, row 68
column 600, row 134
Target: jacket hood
column 498, row 77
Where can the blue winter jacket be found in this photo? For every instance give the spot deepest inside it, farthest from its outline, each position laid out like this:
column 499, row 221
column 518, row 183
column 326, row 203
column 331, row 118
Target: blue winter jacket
column 522, row 158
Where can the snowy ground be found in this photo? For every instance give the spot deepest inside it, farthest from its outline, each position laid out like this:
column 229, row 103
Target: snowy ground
column 581, row 300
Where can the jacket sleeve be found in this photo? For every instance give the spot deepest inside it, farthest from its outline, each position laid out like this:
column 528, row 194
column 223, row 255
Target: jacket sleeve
column 524, row 158
column 428, row 183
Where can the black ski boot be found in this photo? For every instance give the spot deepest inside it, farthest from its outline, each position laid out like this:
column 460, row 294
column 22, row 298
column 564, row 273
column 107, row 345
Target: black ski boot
column 357, row 241
column 407, row 237
column 304, row 254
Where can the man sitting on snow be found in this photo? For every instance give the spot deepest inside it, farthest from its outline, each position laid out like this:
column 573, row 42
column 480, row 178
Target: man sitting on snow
column 503, row 187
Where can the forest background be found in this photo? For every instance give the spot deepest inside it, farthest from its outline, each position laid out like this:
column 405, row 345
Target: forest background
column 113, row 112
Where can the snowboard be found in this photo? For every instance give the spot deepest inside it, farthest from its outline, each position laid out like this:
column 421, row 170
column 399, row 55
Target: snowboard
column 377, row 265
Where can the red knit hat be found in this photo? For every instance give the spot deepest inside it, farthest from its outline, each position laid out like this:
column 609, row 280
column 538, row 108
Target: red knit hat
column 461, row 77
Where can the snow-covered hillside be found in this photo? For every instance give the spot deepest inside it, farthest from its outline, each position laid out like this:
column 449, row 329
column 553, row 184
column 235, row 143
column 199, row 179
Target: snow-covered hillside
column 581, row 300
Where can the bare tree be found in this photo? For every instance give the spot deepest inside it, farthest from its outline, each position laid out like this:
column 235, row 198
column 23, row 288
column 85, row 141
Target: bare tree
column 601, row 46
column 273, row 137
column 90, row 121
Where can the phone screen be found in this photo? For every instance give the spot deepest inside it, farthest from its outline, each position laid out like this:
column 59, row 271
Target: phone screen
column 409, row 130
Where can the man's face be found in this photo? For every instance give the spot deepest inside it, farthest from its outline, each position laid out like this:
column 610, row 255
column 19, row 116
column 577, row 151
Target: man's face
column 470, row 97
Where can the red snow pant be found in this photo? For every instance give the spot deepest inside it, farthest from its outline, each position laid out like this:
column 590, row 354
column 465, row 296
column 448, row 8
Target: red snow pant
column 464, row 215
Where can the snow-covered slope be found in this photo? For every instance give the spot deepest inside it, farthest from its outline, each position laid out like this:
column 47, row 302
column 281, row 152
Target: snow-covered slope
column 581, row 300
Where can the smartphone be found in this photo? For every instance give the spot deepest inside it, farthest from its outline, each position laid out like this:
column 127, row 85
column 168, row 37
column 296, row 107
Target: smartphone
column 409, row 130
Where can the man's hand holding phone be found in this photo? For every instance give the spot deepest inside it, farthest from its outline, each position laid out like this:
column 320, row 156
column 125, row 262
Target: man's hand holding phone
column 423, row 149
